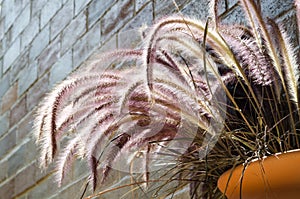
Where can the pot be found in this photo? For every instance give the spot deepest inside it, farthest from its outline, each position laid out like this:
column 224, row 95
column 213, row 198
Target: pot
column 272, row 177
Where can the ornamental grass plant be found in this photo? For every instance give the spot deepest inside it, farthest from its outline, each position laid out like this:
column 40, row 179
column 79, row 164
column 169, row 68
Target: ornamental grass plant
column 193, row 100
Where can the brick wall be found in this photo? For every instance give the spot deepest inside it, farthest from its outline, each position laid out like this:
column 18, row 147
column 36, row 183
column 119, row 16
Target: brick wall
column 42, row 41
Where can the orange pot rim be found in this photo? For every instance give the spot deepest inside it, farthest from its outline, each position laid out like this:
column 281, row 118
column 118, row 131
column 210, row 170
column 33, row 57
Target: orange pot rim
column 271, row 177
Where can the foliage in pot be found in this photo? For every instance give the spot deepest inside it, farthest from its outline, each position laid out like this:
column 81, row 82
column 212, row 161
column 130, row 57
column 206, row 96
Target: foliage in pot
column 195, row 99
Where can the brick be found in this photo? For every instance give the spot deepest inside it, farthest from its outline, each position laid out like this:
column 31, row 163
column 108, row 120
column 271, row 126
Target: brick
column 61, row 19
column 37, row 5
column 273, row 8
column 80, row 169
column 84, row 47
column 1, row 66
column 235, row 16
column 139, row 4
column 31, row 147
column 73, row 191
column 73, row 32
column 49, row 10
column 96, row 9
column 37, row 92
column 9, row 98
column 130, row 36
column 23, row 196
column 120, row 178
column 222, row 7
column 4, row 84
column 231, row 3
column 25, row 3
column 44, row 173
column 7, row 39
column 61, row 69
column 19, row 65
column 4, row 123
column 21, row 22
column 39, row 42
column 2, row 50
column 116, row 17
column 7, row 189
column 17, row 160
column 198, row 9
column 18, row 112
column 27, row 77
column 163, row 7
column 49, row 56
column 11, row 10
column 45, row 189
column 30, row 31
column 2, row 31
column 25, row 127
column 7, row 143
column 25, row 179
column 3, row 169
column 110, row 45
column 80, row 5
column 143, row 17
column 11, row 55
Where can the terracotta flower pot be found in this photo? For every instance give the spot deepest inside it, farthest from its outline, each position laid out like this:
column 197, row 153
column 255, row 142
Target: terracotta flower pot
column 273, row 177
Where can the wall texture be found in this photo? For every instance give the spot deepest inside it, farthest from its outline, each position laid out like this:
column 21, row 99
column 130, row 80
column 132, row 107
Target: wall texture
column 42, row 41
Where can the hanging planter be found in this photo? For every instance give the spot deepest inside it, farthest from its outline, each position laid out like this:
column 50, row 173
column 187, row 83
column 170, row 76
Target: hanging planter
column 273, row 177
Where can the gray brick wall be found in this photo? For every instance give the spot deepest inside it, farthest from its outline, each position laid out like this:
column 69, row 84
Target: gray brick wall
column 41, row 42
